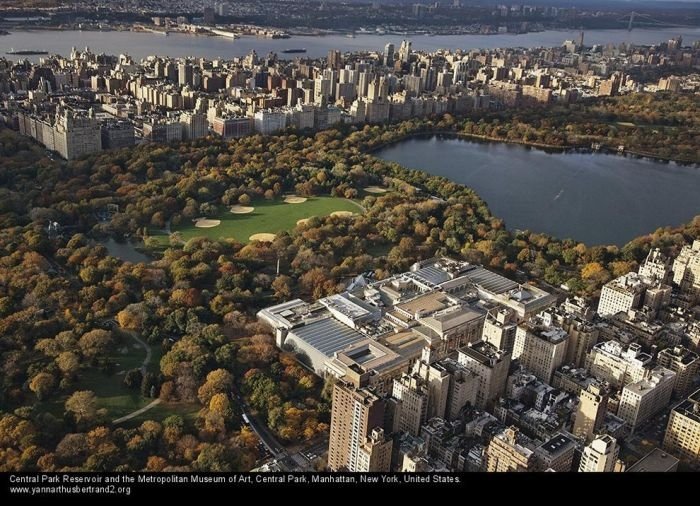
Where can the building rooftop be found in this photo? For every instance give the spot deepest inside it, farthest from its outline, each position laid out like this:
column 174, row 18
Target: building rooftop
column 656, row 461
column 426, row 304
column 286, row 314
column 631, row 283
column 656, row 376
column 680, row 353
column 327, row 335
column 431, row 274
column 631, row 354
column 490, row 281
column 406, row 343
column 349, row 306
column 483, row 352
column 557, row 445
column 545, row 328
column 455, row 316
column 690, row 407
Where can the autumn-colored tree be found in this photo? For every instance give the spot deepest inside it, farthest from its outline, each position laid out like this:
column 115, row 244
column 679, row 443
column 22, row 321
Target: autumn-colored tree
column 218, row 381
column 95, row 343
column 156, row 464
column 594, row 272
column 282, row 285
column 68, row 362
column 42, row 385
column 83, row 406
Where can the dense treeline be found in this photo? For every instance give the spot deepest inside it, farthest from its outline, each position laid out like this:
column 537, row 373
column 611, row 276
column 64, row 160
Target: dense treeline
column 196, row 300
column 663, row 125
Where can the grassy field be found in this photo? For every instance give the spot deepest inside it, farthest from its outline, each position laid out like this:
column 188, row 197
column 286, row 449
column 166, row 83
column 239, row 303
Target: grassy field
column 109, row 388
column 163, row 410
column 269, row 217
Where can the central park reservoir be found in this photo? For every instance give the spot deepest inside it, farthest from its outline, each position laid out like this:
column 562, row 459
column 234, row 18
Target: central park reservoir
column 590, row 197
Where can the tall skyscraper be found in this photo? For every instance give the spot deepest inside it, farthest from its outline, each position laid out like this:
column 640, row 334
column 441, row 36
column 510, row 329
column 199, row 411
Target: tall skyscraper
column 621, row 294
column 405, row 51
column 335, row 59
column 355, row 412
column 541, row 346
column 389, row 55
column 600, row 456
column 491, row 368
column 185, row 73
column 208, row 15
column 583, row 335
column 499, row 329
column 611, row 362
column 590, row 413
column 412, row 393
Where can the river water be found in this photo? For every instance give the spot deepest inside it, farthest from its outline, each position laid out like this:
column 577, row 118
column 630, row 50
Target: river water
column 140, row 45
column 591, row 197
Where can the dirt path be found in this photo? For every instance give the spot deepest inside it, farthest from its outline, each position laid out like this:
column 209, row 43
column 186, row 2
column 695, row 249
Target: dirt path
column 137, row 412
column 145, row 346
column 357, row 204
column 143, row 368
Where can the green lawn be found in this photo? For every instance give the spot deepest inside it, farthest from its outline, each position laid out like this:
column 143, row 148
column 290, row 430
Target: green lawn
column 109, row 388
column 269, row 217
column 163, row 410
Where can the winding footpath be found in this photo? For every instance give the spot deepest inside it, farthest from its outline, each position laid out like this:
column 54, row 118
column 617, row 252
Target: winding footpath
column 137, row 412
column 143, row 368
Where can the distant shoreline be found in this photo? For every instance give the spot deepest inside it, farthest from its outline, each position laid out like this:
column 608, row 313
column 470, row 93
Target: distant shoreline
column 550, row 148
column 328, row 33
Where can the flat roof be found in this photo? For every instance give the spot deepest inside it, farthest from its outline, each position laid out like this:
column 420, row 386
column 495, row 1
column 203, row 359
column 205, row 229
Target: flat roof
column 490, row 281
column 432, row 274
column 482, row 352
column 406, row 344
column 371, row 355
column 429, row 302
column 656, row 461
column 327, row 335
column 557, row 444
column 346, row 305
column 449, row 319
column 690, row 407
column 644, row 386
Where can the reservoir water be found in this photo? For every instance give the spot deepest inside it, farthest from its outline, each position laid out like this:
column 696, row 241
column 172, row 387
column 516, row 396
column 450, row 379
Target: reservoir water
column 125, row 251
column 138, row 45
column 591, row 197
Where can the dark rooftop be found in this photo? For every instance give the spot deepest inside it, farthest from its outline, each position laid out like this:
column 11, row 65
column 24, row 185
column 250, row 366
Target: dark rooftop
column 656, row 461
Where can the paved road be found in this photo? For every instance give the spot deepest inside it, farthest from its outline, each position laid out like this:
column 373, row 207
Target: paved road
column 270, row 442
column 137, row 412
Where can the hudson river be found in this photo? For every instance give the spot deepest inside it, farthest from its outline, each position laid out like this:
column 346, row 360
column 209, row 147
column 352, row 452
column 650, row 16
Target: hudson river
column 139, row 45
column 591, row 197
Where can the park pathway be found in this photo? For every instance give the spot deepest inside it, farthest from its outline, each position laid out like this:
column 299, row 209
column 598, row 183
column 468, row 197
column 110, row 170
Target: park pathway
column 145, row 346
column 144, row 368
column 137, row 412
